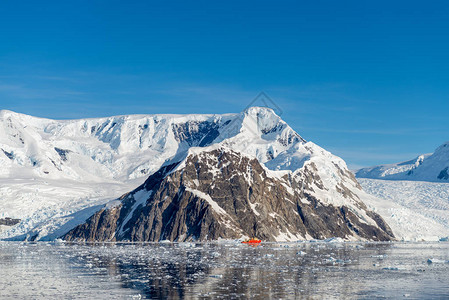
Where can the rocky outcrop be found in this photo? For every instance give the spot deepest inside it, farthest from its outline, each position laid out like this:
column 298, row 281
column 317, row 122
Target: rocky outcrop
column 9, row 221
column 218, row 193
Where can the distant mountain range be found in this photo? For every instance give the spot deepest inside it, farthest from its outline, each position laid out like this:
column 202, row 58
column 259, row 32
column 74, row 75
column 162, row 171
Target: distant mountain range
column 427, row 167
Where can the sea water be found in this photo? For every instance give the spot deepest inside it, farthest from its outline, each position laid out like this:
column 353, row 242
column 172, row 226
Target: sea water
column 224, row 270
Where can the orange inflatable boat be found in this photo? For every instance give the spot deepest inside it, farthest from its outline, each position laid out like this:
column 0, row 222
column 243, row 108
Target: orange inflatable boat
column 252, row 241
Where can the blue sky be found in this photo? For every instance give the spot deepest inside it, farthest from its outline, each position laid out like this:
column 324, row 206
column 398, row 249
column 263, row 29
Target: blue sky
column 367, row 80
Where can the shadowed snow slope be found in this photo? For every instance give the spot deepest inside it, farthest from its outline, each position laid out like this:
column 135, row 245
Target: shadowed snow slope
column 70, row 166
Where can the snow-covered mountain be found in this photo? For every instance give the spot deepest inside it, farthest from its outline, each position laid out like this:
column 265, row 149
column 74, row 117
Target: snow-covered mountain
column 56, row 174
column 218, row 193
column 427, row 167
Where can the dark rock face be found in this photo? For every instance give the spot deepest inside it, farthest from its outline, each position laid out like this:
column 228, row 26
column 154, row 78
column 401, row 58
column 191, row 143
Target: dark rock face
column 444, row 174
column 196, row 133
column 9, row 221
column 224, row 194
column 8, row 154
column 62, row 153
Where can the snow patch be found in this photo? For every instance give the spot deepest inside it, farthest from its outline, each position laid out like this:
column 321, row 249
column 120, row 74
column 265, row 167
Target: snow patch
column 253, row 208
column 208, row 199
column 140, row 198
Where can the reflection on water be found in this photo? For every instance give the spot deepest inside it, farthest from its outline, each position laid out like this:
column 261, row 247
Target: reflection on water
column 225, row 270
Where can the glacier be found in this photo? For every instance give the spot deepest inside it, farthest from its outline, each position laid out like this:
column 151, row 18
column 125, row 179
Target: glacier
column 412, row 196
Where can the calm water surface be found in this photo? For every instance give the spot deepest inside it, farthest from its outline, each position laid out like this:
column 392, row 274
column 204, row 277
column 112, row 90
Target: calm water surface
column 224, row 270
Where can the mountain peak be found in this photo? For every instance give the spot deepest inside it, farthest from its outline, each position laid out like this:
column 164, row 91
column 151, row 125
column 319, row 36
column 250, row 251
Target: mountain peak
column 444, row 147
column 260, row 109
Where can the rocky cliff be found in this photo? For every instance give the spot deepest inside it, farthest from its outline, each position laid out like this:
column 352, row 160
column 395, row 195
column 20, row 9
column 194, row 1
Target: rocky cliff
column 219, row 193
column 9, row 221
